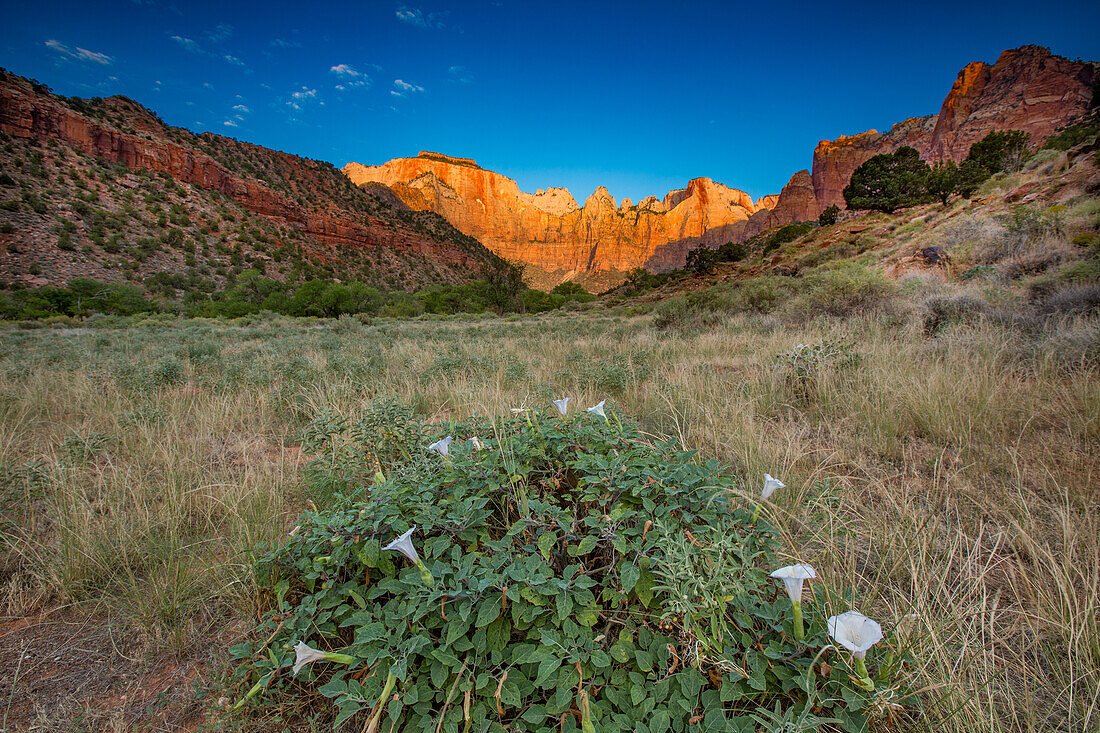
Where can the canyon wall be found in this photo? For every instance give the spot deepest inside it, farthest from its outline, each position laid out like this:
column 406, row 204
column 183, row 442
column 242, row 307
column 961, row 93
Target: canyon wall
column 549, row 230
column 1026, row 89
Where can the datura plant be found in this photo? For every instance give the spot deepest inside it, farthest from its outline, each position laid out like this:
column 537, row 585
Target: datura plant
column 574, row 576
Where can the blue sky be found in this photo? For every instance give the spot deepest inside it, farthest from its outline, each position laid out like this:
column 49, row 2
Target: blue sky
column 639, row 97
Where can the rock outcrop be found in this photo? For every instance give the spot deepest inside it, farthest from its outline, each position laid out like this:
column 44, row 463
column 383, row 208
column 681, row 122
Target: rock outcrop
column 122, row 131
column 1028, row 89
column 549, row 230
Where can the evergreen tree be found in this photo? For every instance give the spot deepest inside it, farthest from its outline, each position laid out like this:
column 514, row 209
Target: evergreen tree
column 943, row 180
column 889, row 182
column 829, row 215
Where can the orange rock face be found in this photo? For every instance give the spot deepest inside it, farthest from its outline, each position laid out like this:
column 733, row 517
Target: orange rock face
column 548, row 228
column 1027, row 89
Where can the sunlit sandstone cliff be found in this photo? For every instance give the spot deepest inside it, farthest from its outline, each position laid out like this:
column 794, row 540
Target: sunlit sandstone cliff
column 1027, row 89
column 549, row 230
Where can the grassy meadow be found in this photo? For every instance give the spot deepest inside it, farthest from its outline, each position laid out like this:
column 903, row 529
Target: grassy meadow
column 951, row 476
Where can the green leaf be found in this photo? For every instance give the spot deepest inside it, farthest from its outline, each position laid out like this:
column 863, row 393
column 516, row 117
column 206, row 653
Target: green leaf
column 546, row 544
column 498, row 633
column 587, row 544
column 629, row 574
column 659, row 722
column 643, row 587
column 588, row 617
column 488, row 609
column 600, row 659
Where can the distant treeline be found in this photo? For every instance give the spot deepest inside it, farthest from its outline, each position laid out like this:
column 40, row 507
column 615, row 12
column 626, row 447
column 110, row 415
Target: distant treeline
column 252, row 292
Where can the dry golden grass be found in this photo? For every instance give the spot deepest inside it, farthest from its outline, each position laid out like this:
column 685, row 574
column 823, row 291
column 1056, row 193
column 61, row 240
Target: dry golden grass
column 952, row 477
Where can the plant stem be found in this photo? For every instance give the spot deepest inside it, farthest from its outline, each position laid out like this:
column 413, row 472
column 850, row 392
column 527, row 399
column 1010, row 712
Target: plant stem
column 372, row 725
column 425, row 574
column 864, row 678
column 799, row 630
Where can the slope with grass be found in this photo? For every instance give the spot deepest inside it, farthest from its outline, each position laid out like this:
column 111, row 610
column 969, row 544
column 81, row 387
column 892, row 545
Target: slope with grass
column 1030, row 236
column 103, row 189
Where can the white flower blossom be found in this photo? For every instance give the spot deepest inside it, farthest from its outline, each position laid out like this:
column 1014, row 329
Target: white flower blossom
column 598, row 409
column 441, row 446
column 855, row 632
column 562, row 405
column 770, row 485
column 404, row 545
column 305, row 654
column 793, row 576
column 475, row 443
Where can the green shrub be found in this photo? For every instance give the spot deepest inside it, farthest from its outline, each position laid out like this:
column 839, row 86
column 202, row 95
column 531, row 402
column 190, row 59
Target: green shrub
column 1072, row 136
column 840, row 288
column 786, row 233
column 829, row 216
column 997, row 152
column 572, row 575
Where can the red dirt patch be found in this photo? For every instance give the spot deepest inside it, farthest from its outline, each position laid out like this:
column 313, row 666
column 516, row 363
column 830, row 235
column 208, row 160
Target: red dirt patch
column 83, row 673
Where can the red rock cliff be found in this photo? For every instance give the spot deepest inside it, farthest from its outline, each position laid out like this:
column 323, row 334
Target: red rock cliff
column 1027, row 89
column 29, row 114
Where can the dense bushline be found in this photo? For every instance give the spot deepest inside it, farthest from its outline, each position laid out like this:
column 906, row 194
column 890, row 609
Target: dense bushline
column 252, row 293
column 892, row 181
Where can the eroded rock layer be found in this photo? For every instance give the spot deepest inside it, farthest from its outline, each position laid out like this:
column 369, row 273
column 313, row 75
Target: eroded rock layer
column 550, row 230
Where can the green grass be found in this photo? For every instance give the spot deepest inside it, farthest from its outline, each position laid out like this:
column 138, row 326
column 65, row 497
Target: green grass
column 951, row 477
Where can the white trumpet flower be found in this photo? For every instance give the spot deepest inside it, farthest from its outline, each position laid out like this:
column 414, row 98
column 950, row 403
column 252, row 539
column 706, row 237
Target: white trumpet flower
column 793, row 576
column 856, row 633
column 598, row 409
column 441, row 446
column 305, row 655
column 475, row 443
column 404, row 545
column 770, row 485
column 562, row 405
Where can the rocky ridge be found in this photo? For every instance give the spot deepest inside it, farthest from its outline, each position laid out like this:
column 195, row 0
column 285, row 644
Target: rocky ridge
column 550, row 231
column 304, row 201
column 1028, row 89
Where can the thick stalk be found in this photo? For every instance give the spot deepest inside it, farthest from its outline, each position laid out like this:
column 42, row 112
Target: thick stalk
column 425, row 574
column 372, row 725
column 864, row 678
column 799, row 631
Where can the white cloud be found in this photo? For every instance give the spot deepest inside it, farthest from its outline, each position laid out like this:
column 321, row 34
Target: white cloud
column 207, row 85
column 229, row 123
column 417, row 17
column 241, row 108
column 188, row 44
column 78, row 53
column 344, row 70
column 302, row 96
column 460, row 75
column 221, row 32
column 402, row 88
column 233, row 60
column 350, row 77
column 283, row 43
